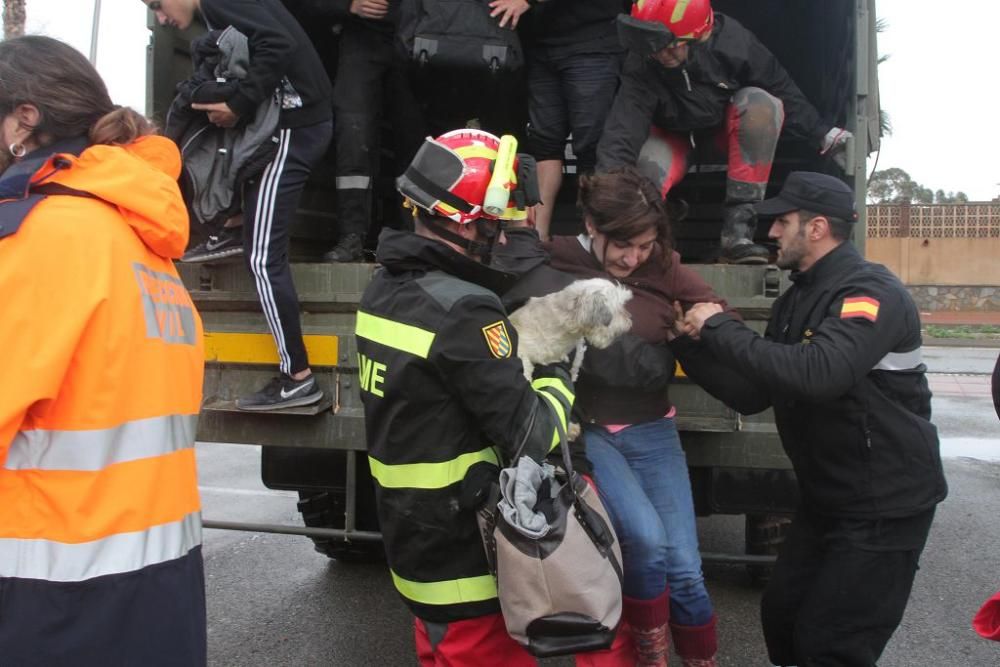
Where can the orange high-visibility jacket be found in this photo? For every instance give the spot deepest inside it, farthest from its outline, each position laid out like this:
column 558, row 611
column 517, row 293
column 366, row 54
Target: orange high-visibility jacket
column 100, row 388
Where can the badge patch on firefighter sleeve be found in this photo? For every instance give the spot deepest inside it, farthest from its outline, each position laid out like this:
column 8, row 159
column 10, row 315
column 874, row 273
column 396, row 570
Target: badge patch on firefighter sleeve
column 860, row 306
column 497, row 340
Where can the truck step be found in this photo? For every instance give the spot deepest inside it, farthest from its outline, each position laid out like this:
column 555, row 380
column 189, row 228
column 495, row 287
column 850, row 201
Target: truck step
column 325, row 404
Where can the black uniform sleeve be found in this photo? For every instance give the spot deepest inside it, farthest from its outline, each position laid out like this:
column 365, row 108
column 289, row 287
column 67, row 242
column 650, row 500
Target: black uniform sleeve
column 627, row 126
column 475, row 353
column 721, row 381
column 862, row 325
column 270, row 48
column 763, row 70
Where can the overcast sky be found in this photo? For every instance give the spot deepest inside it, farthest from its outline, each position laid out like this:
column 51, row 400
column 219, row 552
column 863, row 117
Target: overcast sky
column 939, row 85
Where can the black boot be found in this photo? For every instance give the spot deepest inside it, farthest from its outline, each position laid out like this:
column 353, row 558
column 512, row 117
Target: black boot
column 349, row 248
column 738, row 224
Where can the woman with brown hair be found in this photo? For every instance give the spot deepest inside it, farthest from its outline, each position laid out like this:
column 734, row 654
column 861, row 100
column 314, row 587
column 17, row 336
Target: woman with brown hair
column 629, row 426
column 100, row 522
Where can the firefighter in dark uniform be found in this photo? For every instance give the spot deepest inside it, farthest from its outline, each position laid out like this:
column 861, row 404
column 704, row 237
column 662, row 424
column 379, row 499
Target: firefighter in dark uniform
column 840, row 363
column 446, row 401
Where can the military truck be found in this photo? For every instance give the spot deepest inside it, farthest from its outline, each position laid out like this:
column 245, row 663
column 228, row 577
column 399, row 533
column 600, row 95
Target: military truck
column 736, row 463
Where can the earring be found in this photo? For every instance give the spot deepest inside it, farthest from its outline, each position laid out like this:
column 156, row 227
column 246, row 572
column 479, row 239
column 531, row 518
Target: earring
column 17, row 150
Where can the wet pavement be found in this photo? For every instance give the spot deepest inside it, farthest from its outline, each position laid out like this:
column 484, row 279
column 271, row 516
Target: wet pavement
column 273, row 601
column 956, row 360
column 967, row 386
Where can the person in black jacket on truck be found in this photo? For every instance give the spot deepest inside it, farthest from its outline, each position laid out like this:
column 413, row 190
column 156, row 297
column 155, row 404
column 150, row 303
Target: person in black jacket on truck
column 696, row 81
column 840, row 364
column 370, row 78
column 573, row 58
column 282, row 63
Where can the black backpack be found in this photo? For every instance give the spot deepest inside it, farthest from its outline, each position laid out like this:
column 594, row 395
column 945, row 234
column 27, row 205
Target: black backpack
column 457, row 35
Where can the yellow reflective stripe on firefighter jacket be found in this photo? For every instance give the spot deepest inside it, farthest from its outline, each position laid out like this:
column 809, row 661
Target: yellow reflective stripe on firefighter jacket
column 446, row 403
column 100, row 519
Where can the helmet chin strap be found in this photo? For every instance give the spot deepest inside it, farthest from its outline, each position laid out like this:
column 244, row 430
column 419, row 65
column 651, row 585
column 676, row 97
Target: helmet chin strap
column 481, row 249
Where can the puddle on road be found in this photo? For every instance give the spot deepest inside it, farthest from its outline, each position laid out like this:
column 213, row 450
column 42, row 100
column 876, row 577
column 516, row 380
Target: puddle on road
column 984, row 449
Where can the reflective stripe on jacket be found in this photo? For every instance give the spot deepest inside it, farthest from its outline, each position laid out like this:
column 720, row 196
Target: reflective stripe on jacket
column 446, row 403
column 99, row 507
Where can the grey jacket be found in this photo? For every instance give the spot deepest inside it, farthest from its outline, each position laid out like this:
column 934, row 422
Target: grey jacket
column 218, row 161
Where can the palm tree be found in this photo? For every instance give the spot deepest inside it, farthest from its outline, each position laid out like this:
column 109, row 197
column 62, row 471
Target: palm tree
column 884, row 121
column 13, row 18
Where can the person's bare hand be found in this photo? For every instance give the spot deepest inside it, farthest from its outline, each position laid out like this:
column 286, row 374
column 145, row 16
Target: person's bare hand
column 698, row 313
column 219, row 113
column 680, row 326
column 509, row 11
column 370, row 9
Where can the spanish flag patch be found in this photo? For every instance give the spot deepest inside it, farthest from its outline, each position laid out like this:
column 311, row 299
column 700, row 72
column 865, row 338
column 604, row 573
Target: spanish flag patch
column 860, row 306
column 498, row 340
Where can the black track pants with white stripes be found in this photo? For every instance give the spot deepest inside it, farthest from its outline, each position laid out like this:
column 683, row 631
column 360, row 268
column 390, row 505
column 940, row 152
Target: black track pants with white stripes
column 269, row 205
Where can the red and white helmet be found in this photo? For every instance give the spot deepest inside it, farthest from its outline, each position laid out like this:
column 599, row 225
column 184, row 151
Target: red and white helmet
column 686, row 19
column 449, row 176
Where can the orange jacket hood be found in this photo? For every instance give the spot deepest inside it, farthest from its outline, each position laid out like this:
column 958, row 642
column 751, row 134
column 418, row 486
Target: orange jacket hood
column 139, row 178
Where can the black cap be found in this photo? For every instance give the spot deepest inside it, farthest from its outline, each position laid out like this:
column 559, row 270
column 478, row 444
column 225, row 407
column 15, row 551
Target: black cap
column 812, row 192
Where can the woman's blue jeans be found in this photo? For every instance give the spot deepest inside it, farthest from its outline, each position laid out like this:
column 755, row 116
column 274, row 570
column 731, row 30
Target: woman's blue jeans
column 642, row 475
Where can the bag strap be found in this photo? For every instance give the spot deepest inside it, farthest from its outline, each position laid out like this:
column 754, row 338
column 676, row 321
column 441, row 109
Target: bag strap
column 567, row 462
column 601, row 539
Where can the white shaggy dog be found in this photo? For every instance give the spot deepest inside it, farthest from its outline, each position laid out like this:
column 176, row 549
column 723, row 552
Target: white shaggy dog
column 550, row 326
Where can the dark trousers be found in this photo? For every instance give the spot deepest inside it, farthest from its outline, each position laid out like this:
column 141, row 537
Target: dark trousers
column 839, row 589
column 152, row 616
column 570, row 95
column 369, row 77
column 269, row 204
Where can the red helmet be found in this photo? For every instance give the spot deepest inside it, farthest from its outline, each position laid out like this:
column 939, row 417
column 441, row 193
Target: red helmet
column 686, row 19
column 449, row 176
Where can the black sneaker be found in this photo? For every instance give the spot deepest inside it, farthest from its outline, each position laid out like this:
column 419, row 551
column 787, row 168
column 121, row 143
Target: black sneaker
column 350, row 248
column 227, row 243
column 745, row 253
column 282, row 392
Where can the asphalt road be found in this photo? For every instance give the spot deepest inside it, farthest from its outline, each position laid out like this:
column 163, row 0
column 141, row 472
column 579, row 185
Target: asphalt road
column 273, row 601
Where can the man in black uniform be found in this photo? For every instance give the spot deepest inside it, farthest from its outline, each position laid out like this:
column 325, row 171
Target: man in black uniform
column 446, row 401
column 695, row 79
column 840, row 363
column 369, row 78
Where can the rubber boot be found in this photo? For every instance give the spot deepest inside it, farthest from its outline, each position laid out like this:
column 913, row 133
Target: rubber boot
column 738, row 224
column 648, row 620
column 696, row 644
column 350, row 248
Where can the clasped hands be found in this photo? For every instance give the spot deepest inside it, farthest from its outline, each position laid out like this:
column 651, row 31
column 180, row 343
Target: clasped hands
column 691, row 322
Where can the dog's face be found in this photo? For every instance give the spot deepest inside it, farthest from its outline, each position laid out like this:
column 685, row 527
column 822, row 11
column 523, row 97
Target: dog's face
column 597, row 307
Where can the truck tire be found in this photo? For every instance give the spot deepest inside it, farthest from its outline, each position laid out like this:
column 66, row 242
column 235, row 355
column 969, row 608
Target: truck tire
column 325, row 509
column 765, row 533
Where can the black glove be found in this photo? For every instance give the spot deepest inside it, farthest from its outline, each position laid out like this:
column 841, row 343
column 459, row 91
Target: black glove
column 478, row 485
column 559, row 369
